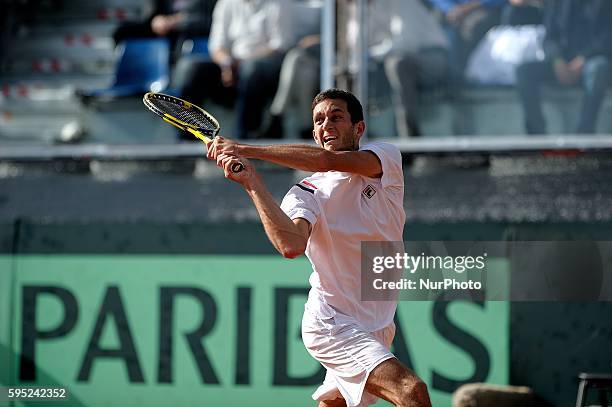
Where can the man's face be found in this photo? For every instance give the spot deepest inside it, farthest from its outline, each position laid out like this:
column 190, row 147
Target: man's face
column 333, row 129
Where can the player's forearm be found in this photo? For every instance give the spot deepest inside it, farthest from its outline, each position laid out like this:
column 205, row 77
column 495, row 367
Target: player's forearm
column 281, row 231
column 301, row 157
column 296, row 156
column 315, row 159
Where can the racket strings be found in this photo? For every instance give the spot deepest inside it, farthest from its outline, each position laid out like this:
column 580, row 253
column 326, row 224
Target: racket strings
column 190, row 116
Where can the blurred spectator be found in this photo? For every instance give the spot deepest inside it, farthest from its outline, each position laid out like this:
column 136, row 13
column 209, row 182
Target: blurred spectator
column 501, row 51
column 517, row 40
column 409, row 44
column 405, row 42
column 175, row 19
column 247, row 42
column 523, row 12
column 578, row 48
column 299, row 76
column 299, row 83
column 466, row 22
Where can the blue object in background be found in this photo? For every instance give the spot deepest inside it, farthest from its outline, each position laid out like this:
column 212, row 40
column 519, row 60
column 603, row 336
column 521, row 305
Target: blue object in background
column 143, row 66
column 195, row 46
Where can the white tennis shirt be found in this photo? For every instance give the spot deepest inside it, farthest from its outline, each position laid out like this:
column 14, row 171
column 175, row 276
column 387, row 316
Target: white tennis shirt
column 345, row 209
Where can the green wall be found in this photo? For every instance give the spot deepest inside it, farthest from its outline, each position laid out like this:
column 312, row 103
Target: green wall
column 207, row 330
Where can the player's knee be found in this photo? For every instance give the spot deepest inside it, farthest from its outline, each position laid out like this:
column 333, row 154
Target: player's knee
column 414, row 393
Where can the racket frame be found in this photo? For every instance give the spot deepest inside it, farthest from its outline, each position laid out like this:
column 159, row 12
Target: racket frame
column 206, row 135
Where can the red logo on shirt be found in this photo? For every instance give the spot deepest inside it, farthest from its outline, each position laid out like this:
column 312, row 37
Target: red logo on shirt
column 309, row 184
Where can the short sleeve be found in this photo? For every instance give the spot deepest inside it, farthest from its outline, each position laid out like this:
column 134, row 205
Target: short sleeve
column 391, row 161
column 218, row 38
column 300, row 202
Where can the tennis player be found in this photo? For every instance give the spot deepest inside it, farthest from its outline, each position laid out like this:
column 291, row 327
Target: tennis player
column 356, row 194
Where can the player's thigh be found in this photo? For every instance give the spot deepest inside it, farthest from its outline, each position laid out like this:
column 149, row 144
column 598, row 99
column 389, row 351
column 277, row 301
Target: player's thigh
column 394, row 382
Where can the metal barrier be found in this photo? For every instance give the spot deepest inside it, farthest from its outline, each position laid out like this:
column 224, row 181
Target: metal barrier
column 434, row 145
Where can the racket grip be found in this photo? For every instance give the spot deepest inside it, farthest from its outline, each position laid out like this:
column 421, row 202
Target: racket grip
column 237, row 167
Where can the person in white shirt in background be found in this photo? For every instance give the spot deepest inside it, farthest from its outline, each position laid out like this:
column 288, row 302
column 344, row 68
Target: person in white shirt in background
column 299, row 77
column 405, row 41
column 248, row 39
column 355, row 195
column 409, row 44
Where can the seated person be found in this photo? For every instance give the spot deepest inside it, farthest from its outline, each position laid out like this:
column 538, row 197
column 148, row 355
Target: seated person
column 578, row 49
column 405, row 41
column 174, row 19
column 299, row 76
column 409, row 44
column 466, row 22
column 247, row 43
column 299, row 82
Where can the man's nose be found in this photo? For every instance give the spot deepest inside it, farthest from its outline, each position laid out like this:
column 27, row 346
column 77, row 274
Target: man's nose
column 326, row 123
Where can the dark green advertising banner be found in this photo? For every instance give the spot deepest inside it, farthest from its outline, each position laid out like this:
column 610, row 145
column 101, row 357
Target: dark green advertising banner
column 207, row 330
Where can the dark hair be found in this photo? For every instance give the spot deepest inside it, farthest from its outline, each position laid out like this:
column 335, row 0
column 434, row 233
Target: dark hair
column 352, row 103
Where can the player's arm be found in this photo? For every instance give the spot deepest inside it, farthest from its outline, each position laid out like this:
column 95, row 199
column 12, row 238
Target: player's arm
column 289, row 237
column 303, row 157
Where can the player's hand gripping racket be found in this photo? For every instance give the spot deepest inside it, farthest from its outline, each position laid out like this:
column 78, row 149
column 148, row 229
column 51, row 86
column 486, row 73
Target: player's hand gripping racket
column 185, row 116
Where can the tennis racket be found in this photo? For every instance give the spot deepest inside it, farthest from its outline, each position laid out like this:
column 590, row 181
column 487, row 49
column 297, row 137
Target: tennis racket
column 187, row 117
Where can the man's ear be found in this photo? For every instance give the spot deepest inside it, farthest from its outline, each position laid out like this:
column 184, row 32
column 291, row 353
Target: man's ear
column 359, row 129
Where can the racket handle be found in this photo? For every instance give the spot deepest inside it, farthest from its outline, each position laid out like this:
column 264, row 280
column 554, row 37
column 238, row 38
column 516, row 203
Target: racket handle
column 237, row 167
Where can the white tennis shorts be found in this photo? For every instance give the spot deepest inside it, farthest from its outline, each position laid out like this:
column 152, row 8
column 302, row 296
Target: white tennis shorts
column 349, row 354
